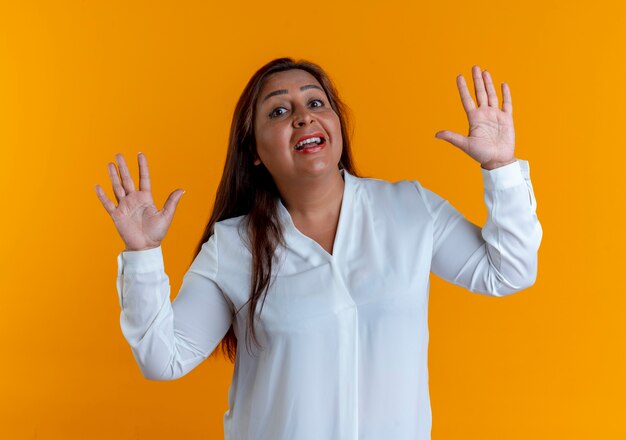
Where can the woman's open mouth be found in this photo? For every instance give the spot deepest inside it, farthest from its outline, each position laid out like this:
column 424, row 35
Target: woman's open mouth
column 311, row 145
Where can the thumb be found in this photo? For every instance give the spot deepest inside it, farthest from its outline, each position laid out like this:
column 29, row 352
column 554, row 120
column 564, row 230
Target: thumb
column 455, row 139
column 172, row 202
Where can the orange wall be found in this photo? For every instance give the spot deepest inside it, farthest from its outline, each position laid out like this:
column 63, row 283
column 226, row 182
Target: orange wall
column 81, row 81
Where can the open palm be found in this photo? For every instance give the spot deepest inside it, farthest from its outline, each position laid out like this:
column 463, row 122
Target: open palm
column 491, row 139
column 140, row 224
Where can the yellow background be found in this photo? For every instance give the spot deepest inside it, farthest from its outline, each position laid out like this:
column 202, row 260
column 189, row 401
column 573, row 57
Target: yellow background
column 83, row 80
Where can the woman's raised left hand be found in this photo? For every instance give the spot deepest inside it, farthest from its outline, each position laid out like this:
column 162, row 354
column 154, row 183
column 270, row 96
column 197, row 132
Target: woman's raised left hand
column 491, row 139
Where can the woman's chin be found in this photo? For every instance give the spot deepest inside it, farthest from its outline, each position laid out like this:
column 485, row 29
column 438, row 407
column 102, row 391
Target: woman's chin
column 317, row 164
column 318, row 167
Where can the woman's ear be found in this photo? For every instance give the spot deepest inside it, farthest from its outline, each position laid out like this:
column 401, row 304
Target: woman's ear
column 257, row 161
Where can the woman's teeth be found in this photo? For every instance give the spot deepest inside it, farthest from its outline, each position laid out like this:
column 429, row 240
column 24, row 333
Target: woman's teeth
column 316, row 140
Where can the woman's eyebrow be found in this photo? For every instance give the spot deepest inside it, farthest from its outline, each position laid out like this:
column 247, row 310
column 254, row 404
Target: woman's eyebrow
column 283, row 91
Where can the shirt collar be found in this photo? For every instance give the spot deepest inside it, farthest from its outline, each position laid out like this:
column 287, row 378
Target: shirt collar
column 291, row 230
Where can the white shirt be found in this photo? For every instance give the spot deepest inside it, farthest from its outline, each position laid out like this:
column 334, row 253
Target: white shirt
column 344, row 336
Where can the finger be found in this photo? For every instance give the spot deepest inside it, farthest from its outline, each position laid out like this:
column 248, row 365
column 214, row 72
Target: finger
column 118, row 189
column 491, row 91
column 127, row 180
column 172, row 201
column 507, row 104
column 479, row 87
column 144, row 174
column 466, row 98
column 108, row 204
column 455, row 139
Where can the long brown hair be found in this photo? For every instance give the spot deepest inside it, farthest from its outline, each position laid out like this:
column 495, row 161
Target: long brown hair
column 246, row 189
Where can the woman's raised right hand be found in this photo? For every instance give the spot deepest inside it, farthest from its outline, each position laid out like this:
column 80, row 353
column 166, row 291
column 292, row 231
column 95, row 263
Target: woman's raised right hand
column 140, row 224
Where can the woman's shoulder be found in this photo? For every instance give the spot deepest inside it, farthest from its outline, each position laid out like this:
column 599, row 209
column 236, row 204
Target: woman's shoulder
column 405, row 196
column 231, row 242
column 386, row 189
column 230, row 228
column 231, row 223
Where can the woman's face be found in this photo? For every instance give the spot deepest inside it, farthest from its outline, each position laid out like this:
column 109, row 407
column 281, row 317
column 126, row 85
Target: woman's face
column 292, row 105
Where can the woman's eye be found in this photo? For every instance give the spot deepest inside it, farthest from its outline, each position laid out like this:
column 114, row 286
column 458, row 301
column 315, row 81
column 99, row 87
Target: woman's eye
column 279, row 111
column 275, row 113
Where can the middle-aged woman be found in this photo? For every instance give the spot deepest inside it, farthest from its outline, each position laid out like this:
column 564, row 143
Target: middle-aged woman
column 326, row 271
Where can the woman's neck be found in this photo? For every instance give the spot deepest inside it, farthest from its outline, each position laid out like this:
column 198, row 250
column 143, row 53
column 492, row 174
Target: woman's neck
column 316, row 201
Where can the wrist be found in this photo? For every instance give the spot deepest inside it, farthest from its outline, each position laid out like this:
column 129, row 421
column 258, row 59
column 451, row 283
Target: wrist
column 493, row 165
column 147, row 248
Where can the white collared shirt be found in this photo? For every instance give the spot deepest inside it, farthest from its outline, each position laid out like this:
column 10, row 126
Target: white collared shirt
column 344, row 336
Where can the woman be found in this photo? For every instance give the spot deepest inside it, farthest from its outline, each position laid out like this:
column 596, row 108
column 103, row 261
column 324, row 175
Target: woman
column 340, row 263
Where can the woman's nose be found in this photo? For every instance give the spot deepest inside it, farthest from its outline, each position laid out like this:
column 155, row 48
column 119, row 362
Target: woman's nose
column 302, row 117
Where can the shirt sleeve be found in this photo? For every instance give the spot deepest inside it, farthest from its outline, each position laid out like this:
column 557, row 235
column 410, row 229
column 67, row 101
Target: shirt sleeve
column 169, row 339
column 501, row 258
